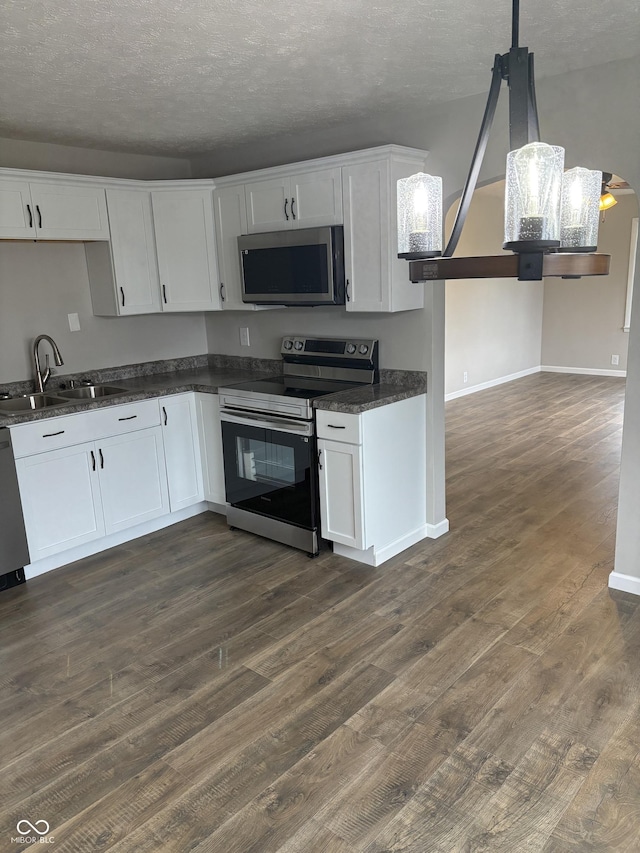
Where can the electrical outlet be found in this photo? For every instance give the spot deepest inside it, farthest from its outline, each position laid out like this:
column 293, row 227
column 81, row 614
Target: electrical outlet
column 74, row 322
column 465, row 376
column 615, row 359
column 244, row 336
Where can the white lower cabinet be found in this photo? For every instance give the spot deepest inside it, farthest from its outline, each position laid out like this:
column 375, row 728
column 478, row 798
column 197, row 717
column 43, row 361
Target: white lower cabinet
column 182, row 450
column 80, row 489
column 61, row 499
column 133, row 481
column 341, row 498
column 372, row 475
column 210, row 432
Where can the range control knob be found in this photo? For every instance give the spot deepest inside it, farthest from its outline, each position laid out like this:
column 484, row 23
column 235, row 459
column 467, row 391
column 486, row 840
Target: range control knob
column 288, row 344
column 364, row 349
column 351, row 348
column 298, row 345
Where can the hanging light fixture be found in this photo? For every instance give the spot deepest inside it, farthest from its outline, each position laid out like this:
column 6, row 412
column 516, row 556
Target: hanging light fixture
column 607, row 200
column 551, row 218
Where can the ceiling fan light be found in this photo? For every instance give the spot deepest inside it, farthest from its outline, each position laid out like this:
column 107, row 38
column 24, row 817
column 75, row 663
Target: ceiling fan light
column 532, row 197
column 419, row 205
column 607, row 200
column 579, row 210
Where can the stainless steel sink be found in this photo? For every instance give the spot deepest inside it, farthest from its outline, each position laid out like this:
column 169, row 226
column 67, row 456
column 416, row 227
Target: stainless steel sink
column 29, row 403
column 91, row 392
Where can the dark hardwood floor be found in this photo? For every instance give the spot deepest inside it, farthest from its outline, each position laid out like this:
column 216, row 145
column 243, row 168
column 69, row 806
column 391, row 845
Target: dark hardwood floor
column 206, row 690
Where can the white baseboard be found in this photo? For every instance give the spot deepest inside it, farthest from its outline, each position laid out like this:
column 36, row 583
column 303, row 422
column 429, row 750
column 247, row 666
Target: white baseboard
column 434, row 531
column 588, row 371
column 90, row 548
column 625, row 583
column 491, row 383
column 376, row 557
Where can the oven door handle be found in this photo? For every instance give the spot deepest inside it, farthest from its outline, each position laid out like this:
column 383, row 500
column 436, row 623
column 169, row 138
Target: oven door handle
column 278, row 424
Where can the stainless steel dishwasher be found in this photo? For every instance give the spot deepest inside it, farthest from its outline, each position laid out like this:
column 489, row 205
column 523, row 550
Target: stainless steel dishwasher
column 14, row 552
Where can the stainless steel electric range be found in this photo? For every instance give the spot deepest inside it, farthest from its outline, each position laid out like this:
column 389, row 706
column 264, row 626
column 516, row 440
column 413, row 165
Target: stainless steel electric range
column 268, row 436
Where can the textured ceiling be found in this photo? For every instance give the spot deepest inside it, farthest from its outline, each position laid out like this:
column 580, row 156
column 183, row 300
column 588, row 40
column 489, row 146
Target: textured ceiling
column 184, row 76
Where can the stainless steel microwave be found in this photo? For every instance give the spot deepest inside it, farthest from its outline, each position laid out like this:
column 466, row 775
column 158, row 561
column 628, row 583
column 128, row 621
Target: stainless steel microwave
column 298, row 267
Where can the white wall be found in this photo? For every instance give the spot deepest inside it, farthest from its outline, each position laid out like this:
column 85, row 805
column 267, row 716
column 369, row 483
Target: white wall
column 40, row 283
column 583, row 318
column 20, row 154
column 493, row 326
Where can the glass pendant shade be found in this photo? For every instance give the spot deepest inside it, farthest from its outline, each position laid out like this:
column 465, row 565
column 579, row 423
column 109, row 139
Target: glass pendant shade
column 419, row 216
column 580, row 210
column 607, row 201
column 532, row 200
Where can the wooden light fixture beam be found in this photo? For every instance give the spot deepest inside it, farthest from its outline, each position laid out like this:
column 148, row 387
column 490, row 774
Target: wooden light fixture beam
column 524, row 267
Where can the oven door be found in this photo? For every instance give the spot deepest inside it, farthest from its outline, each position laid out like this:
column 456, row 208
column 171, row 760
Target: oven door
column 269, row 467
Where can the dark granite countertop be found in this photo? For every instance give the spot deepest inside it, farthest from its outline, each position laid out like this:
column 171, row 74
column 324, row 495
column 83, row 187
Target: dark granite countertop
column 146, row 381
column 390, row 390
column 207, row 380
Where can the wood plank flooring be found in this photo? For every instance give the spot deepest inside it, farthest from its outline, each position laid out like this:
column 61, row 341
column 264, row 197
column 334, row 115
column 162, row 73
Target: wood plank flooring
column 207, row 690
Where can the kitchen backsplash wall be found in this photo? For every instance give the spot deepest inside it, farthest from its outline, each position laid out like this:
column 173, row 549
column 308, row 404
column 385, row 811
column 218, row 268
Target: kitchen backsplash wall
column 403, row 336
column 41, row 283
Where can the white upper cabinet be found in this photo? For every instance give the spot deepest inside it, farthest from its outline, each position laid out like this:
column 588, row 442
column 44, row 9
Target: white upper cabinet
column 231, row 221
column 16, row 211
column 52, row 211
column 377, row 280
column 123, row 277
column 303, row 200
column 185, row 243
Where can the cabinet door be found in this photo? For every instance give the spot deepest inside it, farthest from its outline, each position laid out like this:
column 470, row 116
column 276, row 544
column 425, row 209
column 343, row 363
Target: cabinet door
column 268, row 205
column 341, row 493
column 182, row 450
column 210, row 431
column 316, row 198
column 61, row 500
column 134, row 252
column 133, row 479
column 16, row 211
column 185, row 242
column 366, row 248
column 377, row 279
column 230, row 213
column 69, row 212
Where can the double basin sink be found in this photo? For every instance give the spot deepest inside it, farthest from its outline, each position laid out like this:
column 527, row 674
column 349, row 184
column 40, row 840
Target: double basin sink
column 35, row 402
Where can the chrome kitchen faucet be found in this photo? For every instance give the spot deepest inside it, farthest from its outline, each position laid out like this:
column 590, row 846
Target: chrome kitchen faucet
column 41, row 379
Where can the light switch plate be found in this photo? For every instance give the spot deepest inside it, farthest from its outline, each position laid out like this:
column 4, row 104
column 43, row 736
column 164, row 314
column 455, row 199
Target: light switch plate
column 244, row 336
column 74, row 322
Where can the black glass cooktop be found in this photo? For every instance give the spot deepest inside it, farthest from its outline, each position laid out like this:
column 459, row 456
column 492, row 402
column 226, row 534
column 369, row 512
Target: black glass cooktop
column 302, row 388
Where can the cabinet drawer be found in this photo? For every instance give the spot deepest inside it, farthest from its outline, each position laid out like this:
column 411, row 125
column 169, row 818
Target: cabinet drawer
column 115, row 420
column 338, row 426
column 50, row 434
